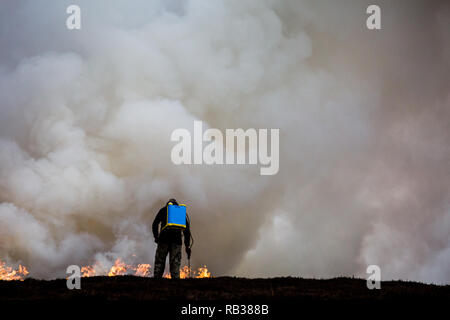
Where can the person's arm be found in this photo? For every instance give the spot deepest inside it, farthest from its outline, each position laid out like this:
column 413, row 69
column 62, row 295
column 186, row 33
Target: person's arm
column 187, row 238
column 187, row 234
column 155, row 226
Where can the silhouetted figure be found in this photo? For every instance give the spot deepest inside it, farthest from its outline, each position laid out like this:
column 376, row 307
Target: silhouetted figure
column 169, row 242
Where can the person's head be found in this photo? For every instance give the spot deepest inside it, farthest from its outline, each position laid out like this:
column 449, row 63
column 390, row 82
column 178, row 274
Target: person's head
column 173, row 201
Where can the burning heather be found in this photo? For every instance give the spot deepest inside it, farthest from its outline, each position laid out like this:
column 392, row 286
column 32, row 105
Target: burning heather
column 142, row 270
column 185, row 272
column 119, row 268
column 10, row 273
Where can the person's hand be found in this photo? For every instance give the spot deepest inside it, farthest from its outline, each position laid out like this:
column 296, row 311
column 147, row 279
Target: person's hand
column 188, row 251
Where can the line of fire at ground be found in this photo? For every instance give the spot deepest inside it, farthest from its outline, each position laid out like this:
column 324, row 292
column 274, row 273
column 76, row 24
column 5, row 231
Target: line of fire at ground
column 119, row 268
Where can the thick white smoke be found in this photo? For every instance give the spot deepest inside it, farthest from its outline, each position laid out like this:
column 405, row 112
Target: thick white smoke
column 86, row 119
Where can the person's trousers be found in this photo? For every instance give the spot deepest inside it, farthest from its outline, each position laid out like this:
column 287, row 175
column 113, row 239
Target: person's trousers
column 174, row 251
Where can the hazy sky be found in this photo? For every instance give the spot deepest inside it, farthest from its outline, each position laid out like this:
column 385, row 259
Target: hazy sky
column 364, row 117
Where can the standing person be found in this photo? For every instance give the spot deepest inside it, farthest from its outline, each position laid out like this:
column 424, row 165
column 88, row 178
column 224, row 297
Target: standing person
column 169, row 242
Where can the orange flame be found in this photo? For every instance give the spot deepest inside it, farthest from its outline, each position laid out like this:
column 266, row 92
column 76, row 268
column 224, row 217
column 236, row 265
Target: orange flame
column 9, row 273
column 141, row 270
column 203, row 273
column 119, row 268
column 185, row 273
column 87, row 271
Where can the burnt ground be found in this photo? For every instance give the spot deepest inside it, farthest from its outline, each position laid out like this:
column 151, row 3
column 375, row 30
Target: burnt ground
column 281, row 294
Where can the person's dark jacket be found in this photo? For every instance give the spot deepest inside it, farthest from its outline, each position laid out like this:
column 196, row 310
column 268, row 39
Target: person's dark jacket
column 169, row 235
